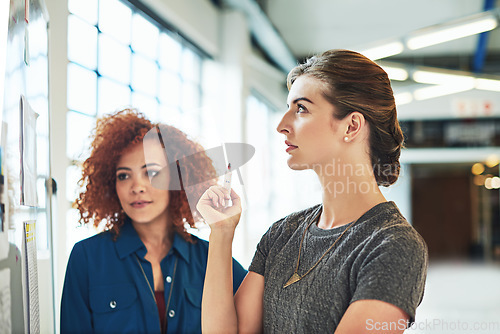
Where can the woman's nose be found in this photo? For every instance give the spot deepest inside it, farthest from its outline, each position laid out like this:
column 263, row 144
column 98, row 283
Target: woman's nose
column 139, row 186
column 283, row 126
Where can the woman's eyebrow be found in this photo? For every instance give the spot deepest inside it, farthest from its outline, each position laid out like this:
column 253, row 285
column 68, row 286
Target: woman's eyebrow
column 151, row 164
column 301, row 99
column 122, row 168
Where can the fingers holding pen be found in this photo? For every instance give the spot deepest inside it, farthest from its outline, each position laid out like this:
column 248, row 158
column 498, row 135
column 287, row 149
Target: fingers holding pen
column 219, row 196
column 213, row 206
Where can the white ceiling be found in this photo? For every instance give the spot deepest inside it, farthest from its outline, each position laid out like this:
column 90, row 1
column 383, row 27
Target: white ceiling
column 311, row 26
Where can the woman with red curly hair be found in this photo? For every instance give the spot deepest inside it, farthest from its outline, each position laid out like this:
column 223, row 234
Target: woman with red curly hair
column 145, row 273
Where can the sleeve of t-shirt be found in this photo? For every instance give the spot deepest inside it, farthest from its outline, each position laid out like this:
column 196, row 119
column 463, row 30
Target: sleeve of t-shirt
column 258, row 264
column 394, row 272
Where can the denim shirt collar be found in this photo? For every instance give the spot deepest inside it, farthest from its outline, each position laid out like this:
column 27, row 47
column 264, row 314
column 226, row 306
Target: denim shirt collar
column 129, row 242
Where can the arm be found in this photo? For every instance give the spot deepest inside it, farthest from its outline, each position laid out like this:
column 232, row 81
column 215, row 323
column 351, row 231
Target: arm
column 249, row 303
column 221, row 311
column 218, row 313
column 372, row 316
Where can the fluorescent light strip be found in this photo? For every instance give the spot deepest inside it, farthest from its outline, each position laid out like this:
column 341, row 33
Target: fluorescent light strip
column 396, row 73
column 403, row 98
column 438, row 78
column 383, row 51
column 440, row 90
column 456, row 31
column 488, row 84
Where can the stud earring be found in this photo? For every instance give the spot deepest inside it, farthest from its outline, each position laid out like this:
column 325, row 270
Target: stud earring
column 346, row 139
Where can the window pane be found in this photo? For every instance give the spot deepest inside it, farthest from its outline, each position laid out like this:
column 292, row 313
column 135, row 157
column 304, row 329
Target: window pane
column 144, row 36
column 258, row 167
column 191, row 65
column 190, row 123
column 190, row 98
column 73, row 174
column 112, row 96
column 82, row 42
column 170, row 89
column 82, row 87
column 42, row 159
column 37, row 69
column 114, row 59
column 144, row 73
column 74, row 231
column 170, row 115
column 115, row 19
column 78, row 132
column 87, row 9
column 146, row 104
column 170, row 53
column 38, row 39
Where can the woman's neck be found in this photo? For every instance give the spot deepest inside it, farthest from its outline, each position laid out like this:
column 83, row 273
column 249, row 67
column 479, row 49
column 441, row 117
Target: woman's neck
column 158, row 238
column 348, row 194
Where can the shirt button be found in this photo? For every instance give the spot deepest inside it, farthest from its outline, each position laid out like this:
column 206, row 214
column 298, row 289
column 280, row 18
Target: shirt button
column 171, row 313
column 168, row 279
column 112, row 304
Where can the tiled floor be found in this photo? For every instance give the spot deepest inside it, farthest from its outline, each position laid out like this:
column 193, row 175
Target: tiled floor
column 460, row 298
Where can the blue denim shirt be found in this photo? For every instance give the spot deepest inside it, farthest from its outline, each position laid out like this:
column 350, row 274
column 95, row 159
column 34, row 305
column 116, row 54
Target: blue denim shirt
column 105, row 289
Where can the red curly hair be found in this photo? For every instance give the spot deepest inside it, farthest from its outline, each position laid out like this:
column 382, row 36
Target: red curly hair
column 113, row 134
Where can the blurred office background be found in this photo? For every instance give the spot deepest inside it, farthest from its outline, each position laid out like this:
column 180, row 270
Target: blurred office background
column 217, row 70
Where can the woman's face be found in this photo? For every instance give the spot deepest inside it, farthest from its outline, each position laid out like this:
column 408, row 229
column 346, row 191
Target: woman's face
column 143, row 203
column 313, row 135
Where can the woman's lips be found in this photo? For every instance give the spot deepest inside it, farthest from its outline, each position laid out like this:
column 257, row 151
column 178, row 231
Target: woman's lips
column 139, row 204
column 290, row 146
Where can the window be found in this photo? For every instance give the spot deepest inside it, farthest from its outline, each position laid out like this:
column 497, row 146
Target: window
column 119, row 57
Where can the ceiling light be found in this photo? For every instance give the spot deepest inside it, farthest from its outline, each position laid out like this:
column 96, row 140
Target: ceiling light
column 495, row 182
column 439, row 78
column 383, row 51
column 396, row 73
column 487, row 183
column 488, row 84
column 403, row 98
column 440, row 90
column 479, row 180
column 477, row 168
column 456, row 29
column 492, row 160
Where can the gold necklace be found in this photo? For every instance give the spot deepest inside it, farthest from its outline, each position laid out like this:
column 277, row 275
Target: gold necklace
column 296, row 277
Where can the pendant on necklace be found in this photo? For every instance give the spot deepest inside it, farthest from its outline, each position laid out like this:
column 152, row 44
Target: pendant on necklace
column 294, row 279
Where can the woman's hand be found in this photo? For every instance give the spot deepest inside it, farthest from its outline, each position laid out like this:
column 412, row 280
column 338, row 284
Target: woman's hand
column 212, row 206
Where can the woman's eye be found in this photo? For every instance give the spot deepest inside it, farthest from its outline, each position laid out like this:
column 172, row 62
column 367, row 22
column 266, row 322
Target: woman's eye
column 121, row 176
column 152, row 173
column 301, row 109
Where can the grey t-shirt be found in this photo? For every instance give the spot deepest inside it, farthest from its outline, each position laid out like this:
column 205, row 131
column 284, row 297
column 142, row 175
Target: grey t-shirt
column 380, row 257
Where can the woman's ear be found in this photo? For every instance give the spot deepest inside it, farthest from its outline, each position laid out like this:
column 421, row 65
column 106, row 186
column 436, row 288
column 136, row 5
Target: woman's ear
column 355, row 124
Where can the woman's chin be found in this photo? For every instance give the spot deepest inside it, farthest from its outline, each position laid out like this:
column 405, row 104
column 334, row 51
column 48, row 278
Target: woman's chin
column 294, row 165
